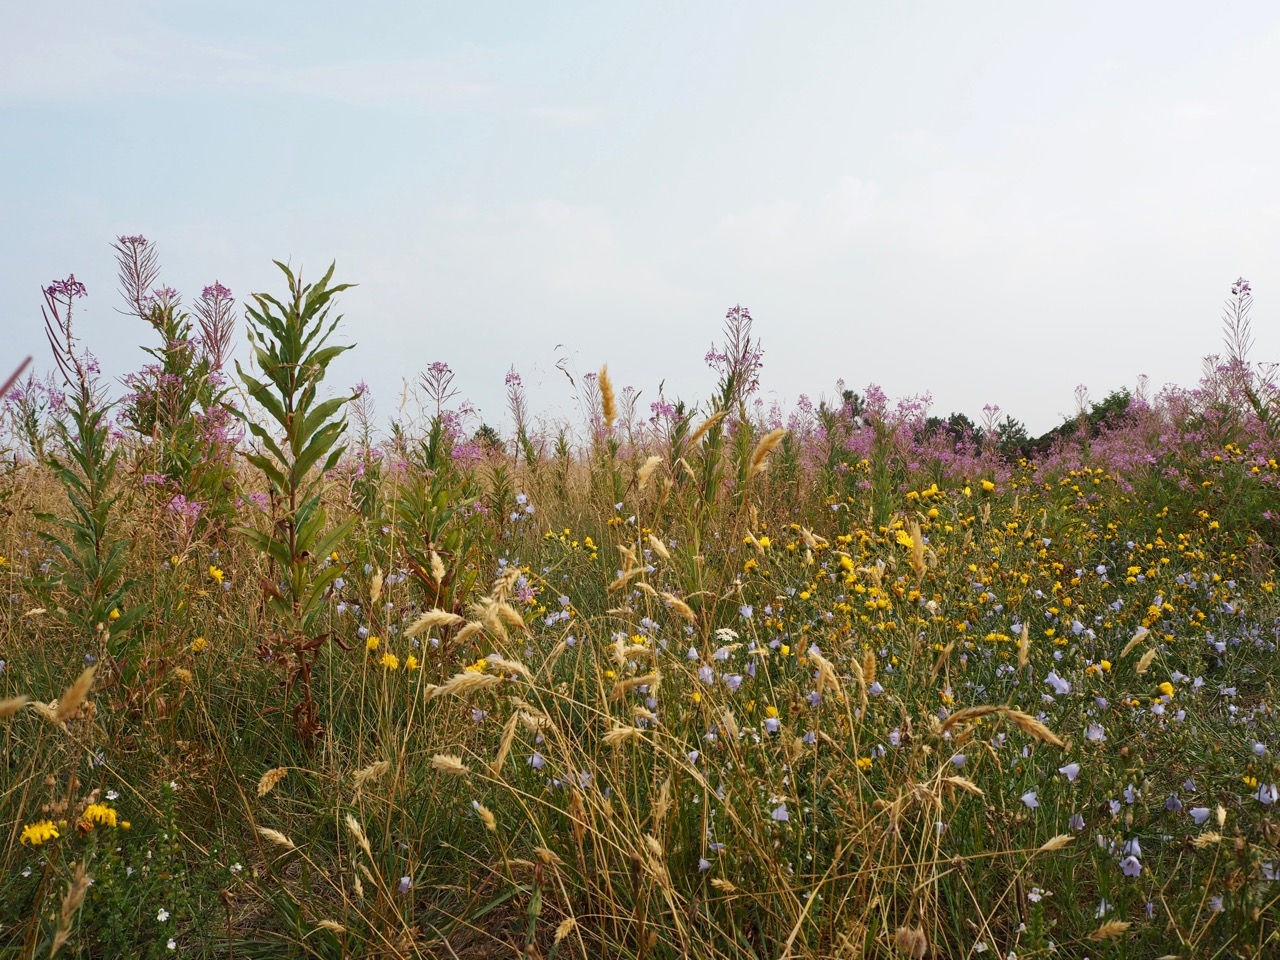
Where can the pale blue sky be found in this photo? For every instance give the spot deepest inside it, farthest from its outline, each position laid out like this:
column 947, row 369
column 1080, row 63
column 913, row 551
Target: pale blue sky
column 991, row 202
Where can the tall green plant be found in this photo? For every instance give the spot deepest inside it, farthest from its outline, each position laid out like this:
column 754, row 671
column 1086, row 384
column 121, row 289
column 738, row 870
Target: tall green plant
column 90, row 555
column 290, row 344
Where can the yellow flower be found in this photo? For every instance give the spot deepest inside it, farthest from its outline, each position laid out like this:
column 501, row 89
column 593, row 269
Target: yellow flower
column 390, row 661
column 411, row 662
column 1105, row 665
column 988, row 486
column 904, row 539
column 765, row 542
column 100, row 813
column 114, row 614
column 215, row 574
column 785, row 650
column 198, row 644
column 771, row 711
column 334, row 556
column 864, row 763
column 1167, row 689
column 372, row 644
column 477, row 667
column 38, row 832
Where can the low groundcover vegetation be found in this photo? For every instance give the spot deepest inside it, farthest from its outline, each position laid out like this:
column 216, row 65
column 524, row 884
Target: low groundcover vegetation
column 714, row 680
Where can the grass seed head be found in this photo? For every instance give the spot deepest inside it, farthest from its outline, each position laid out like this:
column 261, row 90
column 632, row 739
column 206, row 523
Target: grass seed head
column 760, row 456
column 432, row 619
column 276, row 837
column 74, row 696
column 374, row 771
column 608, row 404
column 269, row 780
column 448, row 763
column 1110, row 930
column 646, row 471
column 357, row 834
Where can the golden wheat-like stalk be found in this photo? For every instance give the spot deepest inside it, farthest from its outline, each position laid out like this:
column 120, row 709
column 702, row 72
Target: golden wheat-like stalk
column 374, row 771
column 432, row 619
column 11, row 705
column 620, row 734
column 1055, row 843
column 448, row 763
column 760, row 455
column 1029, row 724
column 76, row 889
column 357, row 834
column 1024, row 646
column 503, row 583
column 663, row 804
column 467, row 632
column 658, row 547
column 505, row 667
column 679, row 607
column 827, row 676
column 437, row 568
column 646, row 471
column 812, row 540
column 623, row 687
column 917, row 549
column 564, row 928
column 375, row 586
column 271, row 779
column 963, row 783
column 608, row 405
column 1110, row 930
column 1144, row 664
column 504, row 746
column 465, row 683
column 278, row 838
column 548, row 856
column 1137, row 638
column 703, row 428
column 486, row 816
column 74, row 696
column 967, row 715
column 626, row 578
column 331, row 925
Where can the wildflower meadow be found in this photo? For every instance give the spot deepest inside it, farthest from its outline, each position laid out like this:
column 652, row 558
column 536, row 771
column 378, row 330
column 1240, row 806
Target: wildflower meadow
column 284, row 675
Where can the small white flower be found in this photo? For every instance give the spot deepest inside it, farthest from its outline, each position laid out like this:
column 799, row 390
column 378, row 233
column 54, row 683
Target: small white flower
column 172, row 944
column 162, row 915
